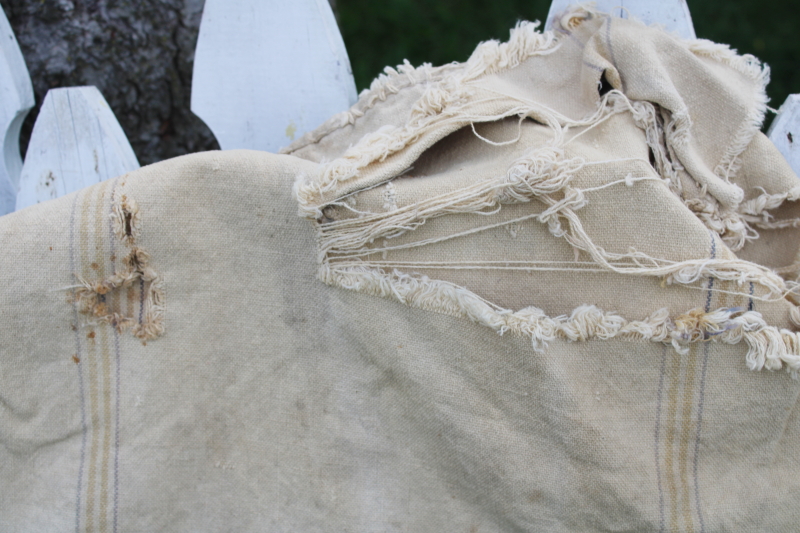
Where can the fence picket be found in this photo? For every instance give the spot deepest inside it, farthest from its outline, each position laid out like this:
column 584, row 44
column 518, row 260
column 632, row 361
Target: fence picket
column 76, row 142
column 266, row 71
column 16, row 99
column 673, row 15
column 785, row 131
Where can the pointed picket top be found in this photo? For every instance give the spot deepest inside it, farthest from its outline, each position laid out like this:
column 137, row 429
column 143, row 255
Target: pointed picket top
column 267, row 71
column 785, row 131
column 673, row 15
column 16, row 99
column 76, row 142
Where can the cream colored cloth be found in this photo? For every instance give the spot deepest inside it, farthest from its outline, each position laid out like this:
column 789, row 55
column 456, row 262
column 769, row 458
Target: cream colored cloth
column 531, row 297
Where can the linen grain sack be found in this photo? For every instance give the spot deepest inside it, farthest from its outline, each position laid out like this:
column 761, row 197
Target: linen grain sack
column 551, row 289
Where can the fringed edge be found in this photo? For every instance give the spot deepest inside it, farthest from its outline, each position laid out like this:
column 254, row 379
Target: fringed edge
column 390, row 82
column 488, row 58
column 538, row 175
column 546, row 176
column 734, row 231
column 524, row 42
column 440, row 101
column 758, row 208
column 732, row 224
column 738, row 227
column 768, row 347
column 752, row 68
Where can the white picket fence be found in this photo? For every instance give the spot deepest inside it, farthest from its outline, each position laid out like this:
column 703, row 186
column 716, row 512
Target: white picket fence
column 265, row 72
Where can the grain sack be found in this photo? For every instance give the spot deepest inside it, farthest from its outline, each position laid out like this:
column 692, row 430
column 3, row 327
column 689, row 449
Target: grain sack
column 552, row 288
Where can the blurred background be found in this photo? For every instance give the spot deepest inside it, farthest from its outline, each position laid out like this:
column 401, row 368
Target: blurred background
column 139, row 53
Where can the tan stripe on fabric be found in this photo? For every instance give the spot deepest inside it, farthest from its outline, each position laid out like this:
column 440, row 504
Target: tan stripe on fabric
column 91, row 479
column 88, row 273
column 723, row 294
column 739, row 299
column 104, row 472
column 686, row 434
column 730, row 300
column 116, row 295
column 130, row 300
column 100, row 229
column 93, row 266
column 669, row 445
column 98, row 258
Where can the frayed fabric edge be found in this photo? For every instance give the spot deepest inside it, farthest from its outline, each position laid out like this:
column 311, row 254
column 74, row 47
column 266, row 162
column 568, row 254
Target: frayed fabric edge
column 390, row 82
column 489, row 57
column 91, row 302
column 752, row 68
column 90, row 296
column 441, row 101
column 447, row 93
column 543, row 174
column 769, row 347
column 737, row 227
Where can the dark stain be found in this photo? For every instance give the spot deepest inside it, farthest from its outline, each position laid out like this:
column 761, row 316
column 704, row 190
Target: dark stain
column 301, row 408
column 91, row 335
column 76, row 359
column 95, row 266
column 535, row 496
column 789, row 136
column 128, row 224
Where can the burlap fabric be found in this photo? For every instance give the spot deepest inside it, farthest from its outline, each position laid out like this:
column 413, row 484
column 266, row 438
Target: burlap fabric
column 549, row 289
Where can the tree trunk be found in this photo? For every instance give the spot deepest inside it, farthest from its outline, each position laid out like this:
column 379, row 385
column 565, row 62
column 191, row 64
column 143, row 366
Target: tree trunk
column 138, row 53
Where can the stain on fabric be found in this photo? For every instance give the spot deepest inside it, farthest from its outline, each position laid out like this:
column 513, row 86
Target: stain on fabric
column 97, row 298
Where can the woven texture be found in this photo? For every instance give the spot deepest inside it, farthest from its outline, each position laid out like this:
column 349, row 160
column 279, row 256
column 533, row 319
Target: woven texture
column 549, row 289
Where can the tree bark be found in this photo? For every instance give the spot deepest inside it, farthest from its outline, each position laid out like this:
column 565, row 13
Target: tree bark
column 138, row 53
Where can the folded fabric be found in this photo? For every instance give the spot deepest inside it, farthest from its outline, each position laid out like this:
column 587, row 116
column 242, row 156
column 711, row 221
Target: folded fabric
column 526, row 292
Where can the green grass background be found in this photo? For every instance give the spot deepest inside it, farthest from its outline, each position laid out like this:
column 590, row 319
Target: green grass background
column 380, row 33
